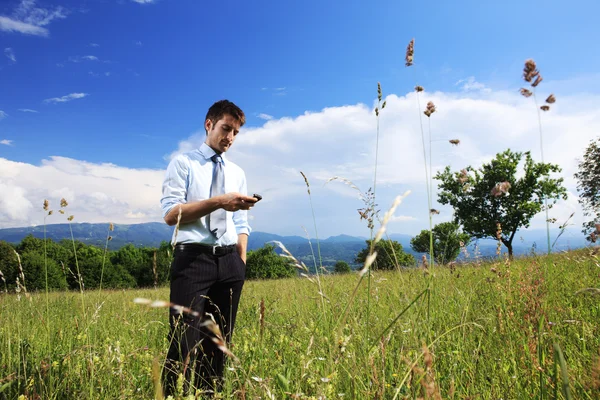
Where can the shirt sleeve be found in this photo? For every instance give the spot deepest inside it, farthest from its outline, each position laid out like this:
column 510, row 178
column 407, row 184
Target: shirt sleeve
column 240, row 217
column 174, row 188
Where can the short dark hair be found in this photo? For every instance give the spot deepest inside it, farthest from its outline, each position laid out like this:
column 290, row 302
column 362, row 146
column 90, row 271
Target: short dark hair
column 222, row 107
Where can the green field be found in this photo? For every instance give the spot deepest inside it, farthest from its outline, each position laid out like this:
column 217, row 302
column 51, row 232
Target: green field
column 483, row 331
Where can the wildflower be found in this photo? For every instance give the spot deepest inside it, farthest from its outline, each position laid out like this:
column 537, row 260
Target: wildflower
column 545, row 108
column 455, row 142
column 525, row 92
column 63, row 203
column 530, row 71
column 419, row 88
column 410, row 49
column 551, row 99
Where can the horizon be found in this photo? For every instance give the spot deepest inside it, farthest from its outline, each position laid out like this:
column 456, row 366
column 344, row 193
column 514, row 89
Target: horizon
column 95, row 114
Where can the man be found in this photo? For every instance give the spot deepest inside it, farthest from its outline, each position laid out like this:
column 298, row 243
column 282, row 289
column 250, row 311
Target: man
column 207, row 193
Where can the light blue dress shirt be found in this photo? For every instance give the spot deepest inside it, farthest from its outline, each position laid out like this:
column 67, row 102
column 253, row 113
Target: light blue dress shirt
column 187, row 180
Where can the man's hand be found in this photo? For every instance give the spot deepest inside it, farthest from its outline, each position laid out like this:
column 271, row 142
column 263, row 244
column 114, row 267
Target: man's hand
column 236, row 201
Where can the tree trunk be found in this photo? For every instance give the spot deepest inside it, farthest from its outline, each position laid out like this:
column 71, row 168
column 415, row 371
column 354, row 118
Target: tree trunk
column 508, row 244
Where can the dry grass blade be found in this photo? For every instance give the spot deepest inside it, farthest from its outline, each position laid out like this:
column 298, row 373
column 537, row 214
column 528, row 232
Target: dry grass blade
column 592, row 291
column 158, row 390
column 388, row 215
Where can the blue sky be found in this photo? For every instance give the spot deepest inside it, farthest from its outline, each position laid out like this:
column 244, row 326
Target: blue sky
column 119, row 86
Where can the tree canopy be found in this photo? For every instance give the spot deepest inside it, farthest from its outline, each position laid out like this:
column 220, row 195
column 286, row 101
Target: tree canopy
column 588, row 186
column 390, row 254
column 494, row 197
column 447, row 240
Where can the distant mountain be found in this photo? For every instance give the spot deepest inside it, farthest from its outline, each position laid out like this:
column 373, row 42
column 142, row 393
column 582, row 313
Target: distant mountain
column 332, row 249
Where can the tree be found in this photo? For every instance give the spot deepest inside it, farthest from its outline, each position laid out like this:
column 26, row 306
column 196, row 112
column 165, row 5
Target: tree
column 588, row 186
column 341, row 267
column 265, row 263
column 446, row 242
column 389, row 254
column 491, row 201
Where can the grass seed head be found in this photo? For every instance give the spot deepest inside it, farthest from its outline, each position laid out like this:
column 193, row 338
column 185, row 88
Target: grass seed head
column 46, row 205
column 433, row 211
column 545, row 107
column 530, row 70
column 419, row 88
column 551, row 99
column 525, row 92
column 63, row 203
column 111, row 227
column 410, row 50
column 455, row 142
column 70, row 218
column 430, row 109
column 379, row 95
column 537, row 81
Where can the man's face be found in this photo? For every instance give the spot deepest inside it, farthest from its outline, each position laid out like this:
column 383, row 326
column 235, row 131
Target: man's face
column 220, row 136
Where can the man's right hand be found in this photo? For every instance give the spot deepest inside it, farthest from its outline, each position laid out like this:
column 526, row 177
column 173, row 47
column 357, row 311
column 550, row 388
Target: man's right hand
column 236, row 201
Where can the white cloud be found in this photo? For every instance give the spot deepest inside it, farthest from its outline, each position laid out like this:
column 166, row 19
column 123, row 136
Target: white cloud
column 94, row 45
column 10, row 54
column 28, row 110
column 3, row 114
column 66, row 98
column 78, row 59
column 31, row 20
column 10, row 25
column 107, row 74
column 336, row 141
column 138, row 43
column 264, row 116
column 95, row 192
column 144, row 1
column 6, row 142
column 471, row 85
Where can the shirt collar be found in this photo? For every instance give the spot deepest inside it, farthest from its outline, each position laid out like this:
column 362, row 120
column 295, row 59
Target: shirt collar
column 207, row 152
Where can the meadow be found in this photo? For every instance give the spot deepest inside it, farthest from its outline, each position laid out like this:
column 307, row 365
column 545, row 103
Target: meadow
column 529, row 328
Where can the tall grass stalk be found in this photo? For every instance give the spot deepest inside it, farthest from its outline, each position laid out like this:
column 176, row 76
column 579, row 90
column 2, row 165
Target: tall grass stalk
column 542, row 155
column 428, row 178
column 48, row 327
column 373, row 211
column 321, row 294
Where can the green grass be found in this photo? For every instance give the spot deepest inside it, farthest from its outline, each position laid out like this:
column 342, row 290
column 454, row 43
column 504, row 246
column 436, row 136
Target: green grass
column 492, row 335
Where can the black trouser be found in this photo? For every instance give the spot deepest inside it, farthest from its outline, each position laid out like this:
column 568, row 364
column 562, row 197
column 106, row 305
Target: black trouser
column 208, row 284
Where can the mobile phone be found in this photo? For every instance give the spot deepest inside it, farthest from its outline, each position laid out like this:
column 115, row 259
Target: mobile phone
column 258, row 197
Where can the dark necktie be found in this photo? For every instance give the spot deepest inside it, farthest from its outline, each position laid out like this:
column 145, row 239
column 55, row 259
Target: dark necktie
column 217, row 222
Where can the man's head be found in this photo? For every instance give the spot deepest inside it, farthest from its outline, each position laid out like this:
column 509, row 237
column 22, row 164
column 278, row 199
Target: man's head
column 222, row 124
